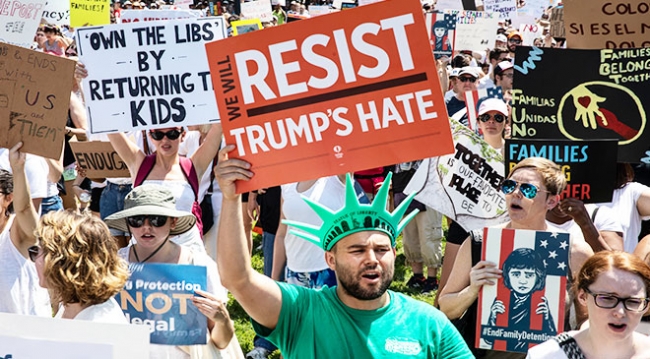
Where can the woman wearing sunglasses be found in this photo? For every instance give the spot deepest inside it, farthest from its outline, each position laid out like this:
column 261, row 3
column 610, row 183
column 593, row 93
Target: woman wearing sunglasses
column 615, row 288
column 19, row 289
column 151, row 216
column 76, row 260
column 163, row 167
column 531, row 189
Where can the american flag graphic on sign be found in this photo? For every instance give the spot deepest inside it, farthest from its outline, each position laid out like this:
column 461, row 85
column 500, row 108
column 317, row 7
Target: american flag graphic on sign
column 473, row 100
column 526, row 306
column 442, row 32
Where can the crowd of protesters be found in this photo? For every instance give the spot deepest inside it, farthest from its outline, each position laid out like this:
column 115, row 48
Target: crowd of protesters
column 90, row 228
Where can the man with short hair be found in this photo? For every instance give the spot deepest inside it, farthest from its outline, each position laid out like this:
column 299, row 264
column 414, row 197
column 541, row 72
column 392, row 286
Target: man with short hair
column 357, row 318
column 514, row 39
column 466, row 81
column 503, row 75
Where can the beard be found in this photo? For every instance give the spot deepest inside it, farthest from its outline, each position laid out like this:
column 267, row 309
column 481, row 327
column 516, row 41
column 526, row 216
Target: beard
column 352, row 285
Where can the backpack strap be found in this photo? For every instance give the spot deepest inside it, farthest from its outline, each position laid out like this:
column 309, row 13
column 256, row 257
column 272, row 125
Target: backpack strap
column 190, row 174
column 569, row 345
column 593, row 215
column 145, row 168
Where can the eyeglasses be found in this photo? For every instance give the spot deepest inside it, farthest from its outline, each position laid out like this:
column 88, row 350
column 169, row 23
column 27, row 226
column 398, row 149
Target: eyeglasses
column 34, row 252
column 159, row 135
column 515, row 41
column 497, row 117
column 465, row 79
column 508, row 75
column 138, row 221
column 529, row 190
column 608, row 301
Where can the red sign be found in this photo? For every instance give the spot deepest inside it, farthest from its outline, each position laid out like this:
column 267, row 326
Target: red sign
column 337, row 93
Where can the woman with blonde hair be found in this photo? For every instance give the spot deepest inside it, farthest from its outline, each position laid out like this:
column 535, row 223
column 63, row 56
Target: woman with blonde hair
column 76, row 259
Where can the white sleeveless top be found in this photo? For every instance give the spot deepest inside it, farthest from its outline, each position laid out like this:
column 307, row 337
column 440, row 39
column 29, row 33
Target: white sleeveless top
column 20, row 292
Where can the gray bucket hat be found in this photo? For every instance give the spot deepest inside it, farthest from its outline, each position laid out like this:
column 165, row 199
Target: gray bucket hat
column 151, row 199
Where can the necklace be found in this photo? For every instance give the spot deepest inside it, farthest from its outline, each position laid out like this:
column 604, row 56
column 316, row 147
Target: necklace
column 151, row 255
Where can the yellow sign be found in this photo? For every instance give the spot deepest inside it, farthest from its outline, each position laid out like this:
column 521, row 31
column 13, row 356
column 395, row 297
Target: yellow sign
column 90, row 12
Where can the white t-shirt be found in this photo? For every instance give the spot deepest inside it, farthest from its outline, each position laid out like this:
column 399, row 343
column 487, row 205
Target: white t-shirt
column 606, row 220
column 302, row 255
column 36, row 170
column 107, row 312
column 623, row 205
column 550, row 349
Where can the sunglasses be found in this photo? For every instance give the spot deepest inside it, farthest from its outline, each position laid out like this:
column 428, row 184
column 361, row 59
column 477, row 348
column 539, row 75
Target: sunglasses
column 529, row 190
column 497, row 117
column 34, row 252
column 515, row 41
column 465, row 79
column 159, row 135
column 138, row 221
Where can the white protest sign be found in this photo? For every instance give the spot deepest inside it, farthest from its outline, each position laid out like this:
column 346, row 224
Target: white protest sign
column 19, row 21
column 149, row 75
column 23, row 336
column 533, row 8
column 367, row 2
column 530, row 32
column 337, row 4
column 57, row 12
column 259, row 9
column 463, row 186
column 156, row 15
column 317, row 10
column 475, row 30
column 183, row 4
column 507, row 9
column 442, row 5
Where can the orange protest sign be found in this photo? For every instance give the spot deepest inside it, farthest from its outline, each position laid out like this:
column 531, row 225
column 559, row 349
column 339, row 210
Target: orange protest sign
column 337, row 93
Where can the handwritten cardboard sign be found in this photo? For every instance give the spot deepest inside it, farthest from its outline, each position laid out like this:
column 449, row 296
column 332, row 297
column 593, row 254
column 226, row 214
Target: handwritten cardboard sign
column 463, row 186
column 259, row 9
column 535, row 266
column 475, row 30
column 557, row 22
column 90, row 12
column 19, row 21
column 158, row 296
column 99, row 159
column 577, row 160
column 158, row 15
column 57, row 12
column 338, row 93
column 34, row 97
column 601, row 96
column 145, row 75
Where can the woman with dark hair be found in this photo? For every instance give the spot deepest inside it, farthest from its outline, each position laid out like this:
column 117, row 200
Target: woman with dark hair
column 53, row 44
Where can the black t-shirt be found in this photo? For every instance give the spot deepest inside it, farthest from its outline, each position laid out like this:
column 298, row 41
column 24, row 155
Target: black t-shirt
column 270, row 209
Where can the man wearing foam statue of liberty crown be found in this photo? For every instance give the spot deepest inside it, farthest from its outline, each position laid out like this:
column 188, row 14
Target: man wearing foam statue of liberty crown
column 358, row 318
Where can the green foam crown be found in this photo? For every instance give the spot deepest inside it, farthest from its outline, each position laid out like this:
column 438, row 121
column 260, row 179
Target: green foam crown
column 355, row 217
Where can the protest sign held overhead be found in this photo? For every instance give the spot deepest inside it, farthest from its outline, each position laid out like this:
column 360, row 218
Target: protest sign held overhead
column 464, row 186
column 475, row 30
column 146, row 75
column 442, row 32
column 526, row 306
column 604, row 24
column 34, row 98
column 442, row 5
column 577, row 161
column 19, row 21
column 507, row 9
column 241, row 27
column 90, row 12
column 259, row 9
column 57, row 12
column 599, row 97
column 159, row 296
column 334, row 94
column 99, row 159
column 158, row 15
column 533, row 9
column 557, row 22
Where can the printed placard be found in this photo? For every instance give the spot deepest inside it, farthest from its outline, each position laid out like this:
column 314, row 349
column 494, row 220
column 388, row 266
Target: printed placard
column 464, row 186
column 90, row 12
column 526, row 306
column 19, row 21
column 34, row 99
column 258, row 9
column 57, row 12
column 149, row 75
column 442, row 34
column 99, row 159
column 158, row 295
column 475, row 30
column 331, row 95
column 577, row 160
column 507, row 9
column 601, row 96
column 603, row 24
column 158, row 15
column 241, row 27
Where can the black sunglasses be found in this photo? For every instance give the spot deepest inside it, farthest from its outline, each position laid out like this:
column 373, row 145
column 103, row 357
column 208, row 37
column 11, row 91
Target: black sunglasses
column 465, row 79
column 159, row 135
column 34, row 251
column 515, row 41
column 497, row 117
column 138, row 221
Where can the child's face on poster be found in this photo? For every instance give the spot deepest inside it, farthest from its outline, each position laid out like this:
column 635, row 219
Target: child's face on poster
column 439, row 31
column 522, row 280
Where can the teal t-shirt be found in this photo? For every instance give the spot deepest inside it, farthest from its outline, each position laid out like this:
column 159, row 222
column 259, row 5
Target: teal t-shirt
column 316, row 324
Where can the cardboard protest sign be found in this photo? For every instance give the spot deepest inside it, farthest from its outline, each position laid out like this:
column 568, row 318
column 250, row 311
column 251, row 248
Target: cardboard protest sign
column 473, row 100
column 475, row 30
column 600, row 97
column 526, row 306
column 149, row 75
column 29, row 336
column 603, row 24
column 258, row 9
column 35, row 96
column 465, row 185
column 241, row 27
column 557, row 22
column 57, row 12
column 577, row 160
column 159, row 296
column 158, row 15
column 99, row 159
column 90, row 12
column 19, row 21
column 334, row 94
column 507, row 9
column 442, row 33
